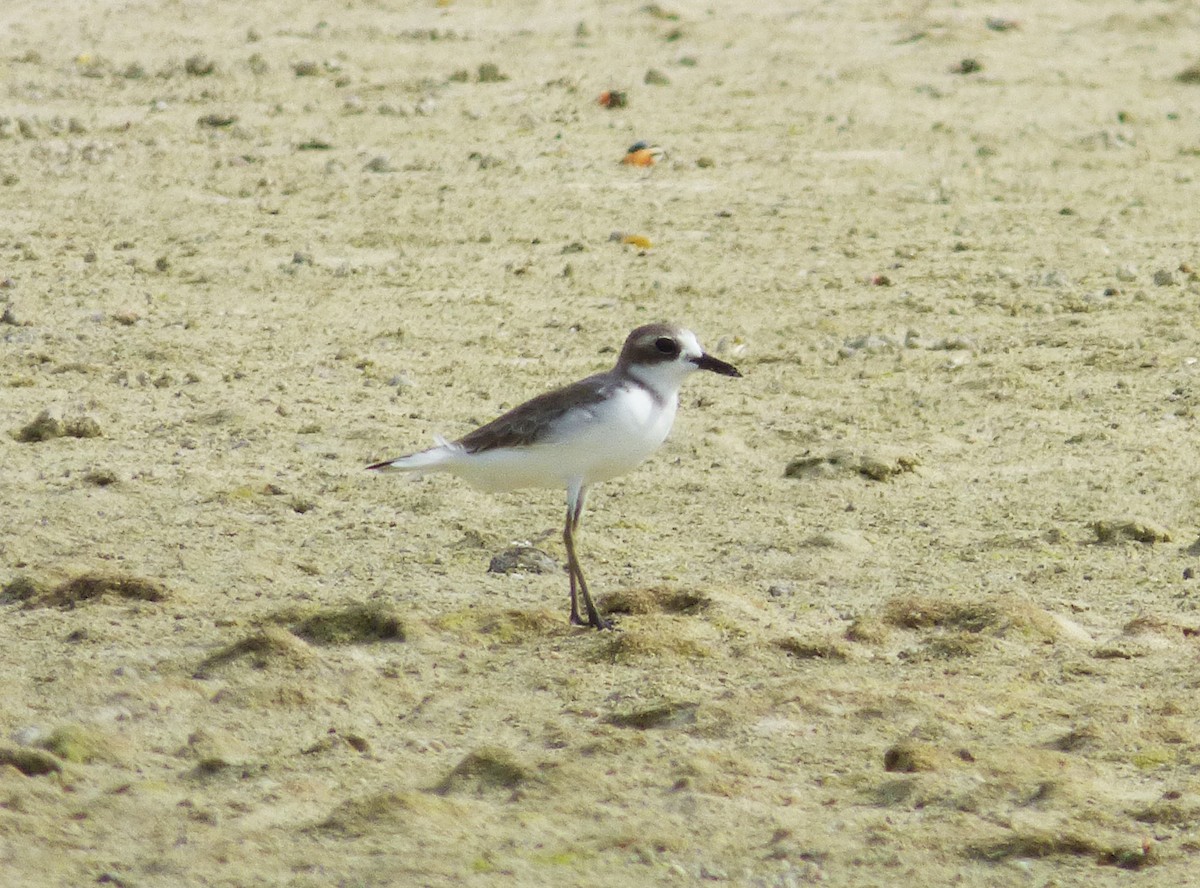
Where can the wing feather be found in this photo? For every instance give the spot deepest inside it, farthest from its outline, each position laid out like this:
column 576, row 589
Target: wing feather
column 527, row 423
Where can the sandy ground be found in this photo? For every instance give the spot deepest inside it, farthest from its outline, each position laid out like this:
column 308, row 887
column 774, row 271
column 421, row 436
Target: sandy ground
column 910, row 603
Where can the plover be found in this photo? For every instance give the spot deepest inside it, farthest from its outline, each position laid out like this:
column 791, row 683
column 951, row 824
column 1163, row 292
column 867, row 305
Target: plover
column 578, row 435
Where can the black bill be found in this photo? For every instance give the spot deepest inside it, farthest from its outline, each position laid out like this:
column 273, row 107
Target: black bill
column 716, row 365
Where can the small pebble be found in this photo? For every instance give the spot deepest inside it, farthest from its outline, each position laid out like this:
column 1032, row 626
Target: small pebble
column 29, row 735
column 613, row 98
column 871, row 343
column 523, row 558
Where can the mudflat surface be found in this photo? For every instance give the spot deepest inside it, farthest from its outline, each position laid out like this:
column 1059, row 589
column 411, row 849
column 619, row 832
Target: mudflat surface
column 908, row 604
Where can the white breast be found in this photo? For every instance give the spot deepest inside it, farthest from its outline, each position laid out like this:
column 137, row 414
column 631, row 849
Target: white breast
column 593, row 443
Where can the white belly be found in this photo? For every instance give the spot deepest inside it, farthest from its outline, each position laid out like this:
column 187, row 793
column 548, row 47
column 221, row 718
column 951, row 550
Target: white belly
column 591, row 444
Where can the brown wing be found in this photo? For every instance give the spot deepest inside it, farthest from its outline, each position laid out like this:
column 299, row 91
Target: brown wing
column 524, row 424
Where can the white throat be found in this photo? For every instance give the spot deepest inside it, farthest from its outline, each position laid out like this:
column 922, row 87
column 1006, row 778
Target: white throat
column 663, row 380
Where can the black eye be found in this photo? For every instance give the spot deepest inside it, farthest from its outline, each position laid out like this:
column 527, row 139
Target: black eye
column 667, row 345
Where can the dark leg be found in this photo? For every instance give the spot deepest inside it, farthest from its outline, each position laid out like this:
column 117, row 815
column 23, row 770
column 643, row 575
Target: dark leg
column 579, row 587
column 569, row 543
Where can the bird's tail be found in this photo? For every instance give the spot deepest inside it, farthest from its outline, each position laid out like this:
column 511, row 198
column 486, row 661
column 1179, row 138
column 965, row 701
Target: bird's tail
column 421, row 462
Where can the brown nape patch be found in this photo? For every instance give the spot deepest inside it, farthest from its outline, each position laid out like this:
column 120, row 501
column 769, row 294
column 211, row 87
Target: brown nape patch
column 641, row 345
column 271, row 648
column 654, row 600
column 358, row 623
column 489, row 769
column 90, row 586
column 999, row 616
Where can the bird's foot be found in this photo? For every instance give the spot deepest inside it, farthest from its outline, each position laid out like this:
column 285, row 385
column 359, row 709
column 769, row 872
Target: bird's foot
column 594, row 621
column 598, row 622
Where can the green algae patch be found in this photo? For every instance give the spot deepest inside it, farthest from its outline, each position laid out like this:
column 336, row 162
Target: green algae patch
column 489, row 769
column 389, row 812
column 654, row 600
column 362, row 623
column 46, row 426
column 80, row 744
column 273, row 647
column 94, row 585
column 812, row 648
column 664, row 715
column 912, row 756
column 1130, row 530
column 502, row 626
column 23, row 588
column 30, row 762
column 998, row 617
column 1041, row 844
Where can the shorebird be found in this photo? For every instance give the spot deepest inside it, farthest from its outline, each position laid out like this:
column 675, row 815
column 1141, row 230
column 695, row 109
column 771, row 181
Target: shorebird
column 579, row 435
